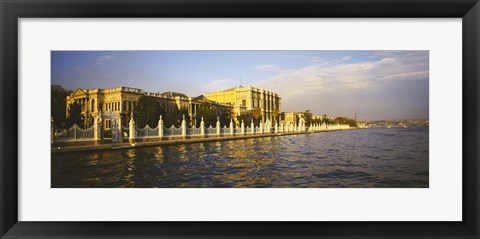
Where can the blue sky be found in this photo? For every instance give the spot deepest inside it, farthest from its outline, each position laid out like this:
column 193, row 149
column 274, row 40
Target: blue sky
column 374, row 84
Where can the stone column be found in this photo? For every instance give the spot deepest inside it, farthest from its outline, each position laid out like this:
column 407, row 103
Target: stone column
column 276, row 128
column 231, row 127
column 202, row 128
column 131, row 130
column 262, row 103
column 160, row 127
column 218, row 126
column 184, row 127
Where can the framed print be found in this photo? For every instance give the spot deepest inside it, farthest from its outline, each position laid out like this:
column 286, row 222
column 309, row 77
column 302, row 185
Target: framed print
column 239, row 119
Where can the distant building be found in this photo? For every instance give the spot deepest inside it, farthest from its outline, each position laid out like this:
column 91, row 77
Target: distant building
column 245, row 99
column 123, row 100
column 290, row 118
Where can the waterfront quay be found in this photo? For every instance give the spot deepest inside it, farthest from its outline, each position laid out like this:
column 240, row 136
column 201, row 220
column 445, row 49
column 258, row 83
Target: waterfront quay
column 84, row 146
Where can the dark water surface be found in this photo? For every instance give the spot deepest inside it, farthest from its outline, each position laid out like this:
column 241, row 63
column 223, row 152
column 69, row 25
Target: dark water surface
column 380, row 157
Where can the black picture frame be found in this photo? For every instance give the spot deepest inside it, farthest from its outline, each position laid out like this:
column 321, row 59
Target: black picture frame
column 11, row 11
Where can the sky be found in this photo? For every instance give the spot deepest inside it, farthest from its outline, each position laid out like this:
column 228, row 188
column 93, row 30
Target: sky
column 376, row 85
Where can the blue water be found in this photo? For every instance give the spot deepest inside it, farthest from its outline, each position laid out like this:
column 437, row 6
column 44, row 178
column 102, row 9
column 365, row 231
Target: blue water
column 364, row 158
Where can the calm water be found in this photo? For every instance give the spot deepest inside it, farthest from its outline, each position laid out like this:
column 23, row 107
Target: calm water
column 381, row 157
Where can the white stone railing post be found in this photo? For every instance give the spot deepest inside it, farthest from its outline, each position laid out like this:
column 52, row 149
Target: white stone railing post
column 131, row 130
column 218, row 126
column 184, row 127
column 266, row 127
column 261, row 127
column 52, row 137
column 243, row 128
column 231, row 127
column 120, row 129
column 276, row 128
column 253, row 127
column 96, row 129
column 202, row 128
column 160, row 127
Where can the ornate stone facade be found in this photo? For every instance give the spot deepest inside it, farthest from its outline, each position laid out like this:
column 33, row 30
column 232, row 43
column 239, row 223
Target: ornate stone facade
column 123, row 100
column 244, row 99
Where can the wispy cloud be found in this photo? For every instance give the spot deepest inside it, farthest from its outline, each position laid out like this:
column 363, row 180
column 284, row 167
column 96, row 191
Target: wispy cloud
column 216, row 85
column 291, row 56
column 101, row 60
column 271, row 68
column 343, row 75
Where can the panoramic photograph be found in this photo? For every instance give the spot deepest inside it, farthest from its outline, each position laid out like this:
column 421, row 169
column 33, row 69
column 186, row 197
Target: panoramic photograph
column 240, row 119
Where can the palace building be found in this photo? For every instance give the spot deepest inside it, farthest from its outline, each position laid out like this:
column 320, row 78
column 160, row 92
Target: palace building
column 245, row 99
column 123, row 100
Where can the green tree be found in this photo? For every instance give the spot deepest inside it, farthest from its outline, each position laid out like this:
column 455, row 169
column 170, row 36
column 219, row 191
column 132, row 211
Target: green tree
column 257, row 115
column 246, row 117
column 225, row 118
column 345, row 120
column 275, row 114
column 147, row 112
column 59, row 105
column 307, row 116
column 325, row 120
column 208, row 114
column 75, row 115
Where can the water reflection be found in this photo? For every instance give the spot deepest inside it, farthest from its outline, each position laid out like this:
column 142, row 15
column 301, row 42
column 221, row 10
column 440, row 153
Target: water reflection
column 360, row 158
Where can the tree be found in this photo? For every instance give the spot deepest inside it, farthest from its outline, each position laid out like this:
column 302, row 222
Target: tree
column 345, row 120
column 75, row 115
column 147, row 112
column 307, row 116
column 225, row 118
column 208, row 114
column 257, row 114
column 246, row 117
column 275, row 114
column 58, row 105
column 325, row 120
